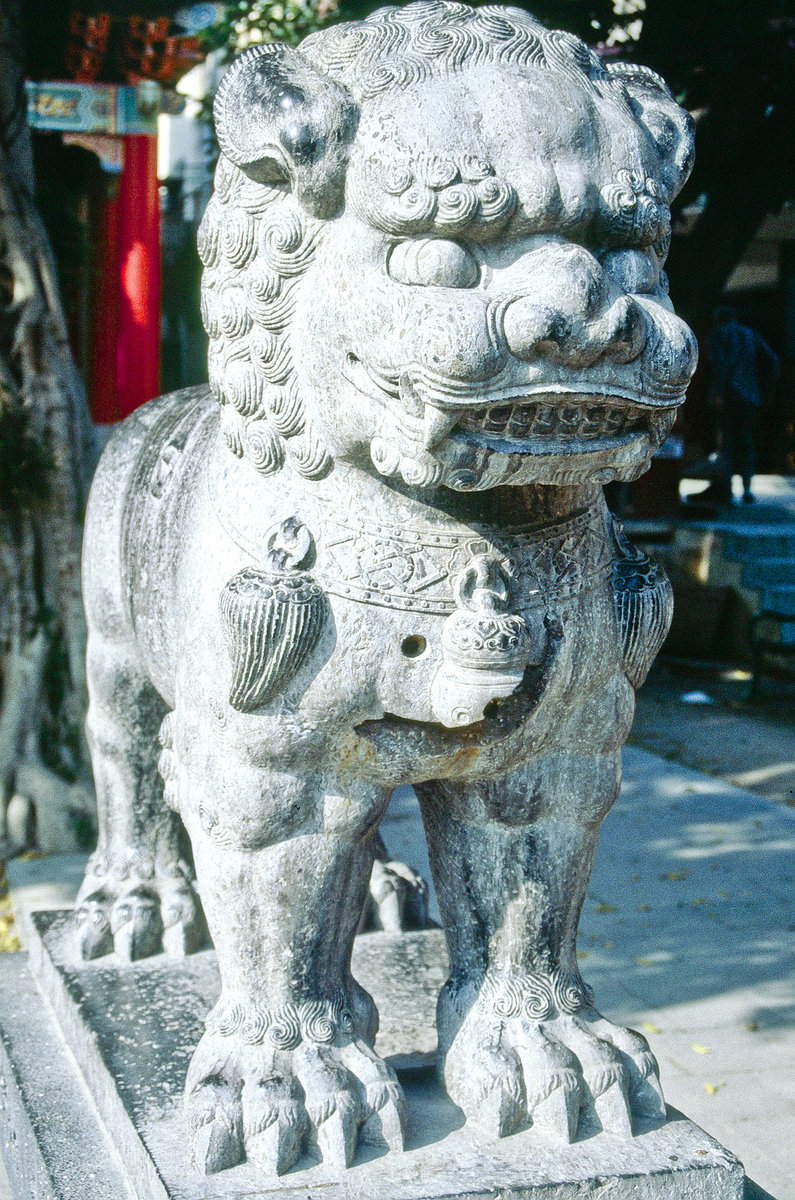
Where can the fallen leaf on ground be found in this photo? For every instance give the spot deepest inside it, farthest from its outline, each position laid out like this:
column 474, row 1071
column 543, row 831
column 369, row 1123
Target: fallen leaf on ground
column 643, row 908
column 751, row 1025
column 699, row 1049
column 605, row 908
column 675, row 875
column 712, row 1089
column 644, row 962
column 647, row 1025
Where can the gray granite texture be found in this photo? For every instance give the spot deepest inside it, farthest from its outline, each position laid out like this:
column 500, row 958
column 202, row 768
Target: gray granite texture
column 376, row 552
column 53, row 1144
column 129, row 1028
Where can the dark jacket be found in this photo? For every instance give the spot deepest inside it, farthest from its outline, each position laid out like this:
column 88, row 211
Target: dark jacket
column 735, row 354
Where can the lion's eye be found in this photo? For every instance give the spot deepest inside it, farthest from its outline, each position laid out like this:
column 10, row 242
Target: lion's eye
column 433, row 262
column 633, row 270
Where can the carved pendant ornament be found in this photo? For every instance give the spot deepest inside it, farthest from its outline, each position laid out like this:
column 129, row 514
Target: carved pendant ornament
column 485, row 647
column 272, row 618
column 433, row 268
column 644, row 604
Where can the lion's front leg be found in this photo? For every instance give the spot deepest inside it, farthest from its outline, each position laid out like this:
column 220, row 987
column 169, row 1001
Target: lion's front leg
column 521, row 1040
column 287, row 1062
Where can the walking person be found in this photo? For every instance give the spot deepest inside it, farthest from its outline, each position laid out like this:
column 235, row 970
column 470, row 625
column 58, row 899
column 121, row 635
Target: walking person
column 742, row 367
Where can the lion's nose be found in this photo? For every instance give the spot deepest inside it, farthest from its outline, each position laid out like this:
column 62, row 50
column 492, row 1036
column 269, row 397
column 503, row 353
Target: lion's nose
column 532, row 330
column 571, row 313
column 617, row 332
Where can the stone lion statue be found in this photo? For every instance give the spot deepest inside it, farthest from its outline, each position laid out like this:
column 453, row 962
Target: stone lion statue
column 376, row 552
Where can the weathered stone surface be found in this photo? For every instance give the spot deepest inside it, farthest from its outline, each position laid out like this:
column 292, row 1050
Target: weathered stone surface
column 378, row 554
column 53, row 1144
column 130, row 1029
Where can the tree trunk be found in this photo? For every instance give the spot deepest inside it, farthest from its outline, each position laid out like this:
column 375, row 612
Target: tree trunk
column 47, row 443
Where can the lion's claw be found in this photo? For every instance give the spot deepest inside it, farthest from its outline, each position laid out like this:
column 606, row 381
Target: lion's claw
column 397, row 899
column 92, row 925
column 217, row 1132
column 138, row 919
column 384, row 1123
column 558, row 1114
column 612, row 1109
column 553, row 1073
column 323, row 1098
column 338, row 1129
column 489, row 1086
column 645, row 1093
column 274, row 1124
column 385, row 1126
column 136, row 924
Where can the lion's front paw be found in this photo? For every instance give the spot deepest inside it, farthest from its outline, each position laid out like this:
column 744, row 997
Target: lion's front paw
column 532, row 1050
column 278, row 1084
column 137, row 910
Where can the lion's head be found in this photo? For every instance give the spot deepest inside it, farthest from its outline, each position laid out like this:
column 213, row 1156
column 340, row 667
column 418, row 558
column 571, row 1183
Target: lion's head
column 436, row 245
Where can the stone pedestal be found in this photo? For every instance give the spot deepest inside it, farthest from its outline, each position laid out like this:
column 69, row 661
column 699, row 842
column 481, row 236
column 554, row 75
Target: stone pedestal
column 92, row 1095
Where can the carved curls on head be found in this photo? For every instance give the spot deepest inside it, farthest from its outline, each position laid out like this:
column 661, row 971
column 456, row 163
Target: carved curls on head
column 280, row 120
column 670, row 126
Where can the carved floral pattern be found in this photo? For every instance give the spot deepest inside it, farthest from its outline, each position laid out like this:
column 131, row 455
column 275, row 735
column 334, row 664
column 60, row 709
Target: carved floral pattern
column 398, row 567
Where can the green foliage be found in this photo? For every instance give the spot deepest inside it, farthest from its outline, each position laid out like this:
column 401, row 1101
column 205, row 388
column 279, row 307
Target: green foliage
column 245, row 23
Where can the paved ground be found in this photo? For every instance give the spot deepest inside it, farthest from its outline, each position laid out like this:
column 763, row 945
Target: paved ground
column 768, row 490
column 699, row 714
column 686, row 934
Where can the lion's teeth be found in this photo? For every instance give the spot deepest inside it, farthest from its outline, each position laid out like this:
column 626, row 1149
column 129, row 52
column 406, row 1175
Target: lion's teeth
column 409, row 397
column 436, row 425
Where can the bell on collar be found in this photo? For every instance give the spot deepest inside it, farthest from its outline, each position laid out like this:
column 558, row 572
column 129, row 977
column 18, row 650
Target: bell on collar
column 485, row 648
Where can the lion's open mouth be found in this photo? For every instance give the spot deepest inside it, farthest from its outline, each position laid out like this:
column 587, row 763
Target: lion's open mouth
column 563, row 423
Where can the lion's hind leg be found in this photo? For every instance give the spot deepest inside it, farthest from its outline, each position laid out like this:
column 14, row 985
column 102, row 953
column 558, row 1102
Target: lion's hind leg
column 137, row 896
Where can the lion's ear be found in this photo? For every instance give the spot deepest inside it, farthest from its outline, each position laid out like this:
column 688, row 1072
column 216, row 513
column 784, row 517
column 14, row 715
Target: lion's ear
column 670, row 125
column 279, row 119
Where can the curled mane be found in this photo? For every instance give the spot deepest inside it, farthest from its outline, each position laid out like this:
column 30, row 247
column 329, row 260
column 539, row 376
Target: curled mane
column 256, row 242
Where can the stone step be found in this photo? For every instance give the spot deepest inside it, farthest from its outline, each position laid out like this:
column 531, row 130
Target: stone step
column 130, row 1031
column 752, row 544
column 779, row 600
column 778, row 572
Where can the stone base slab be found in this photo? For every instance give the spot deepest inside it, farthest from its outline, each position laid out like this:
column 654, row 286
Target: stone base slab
column 131, row 1029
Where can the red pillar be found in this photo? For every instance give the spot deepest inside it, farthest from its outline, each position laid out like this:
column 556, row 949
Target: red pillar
column 138, row 347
